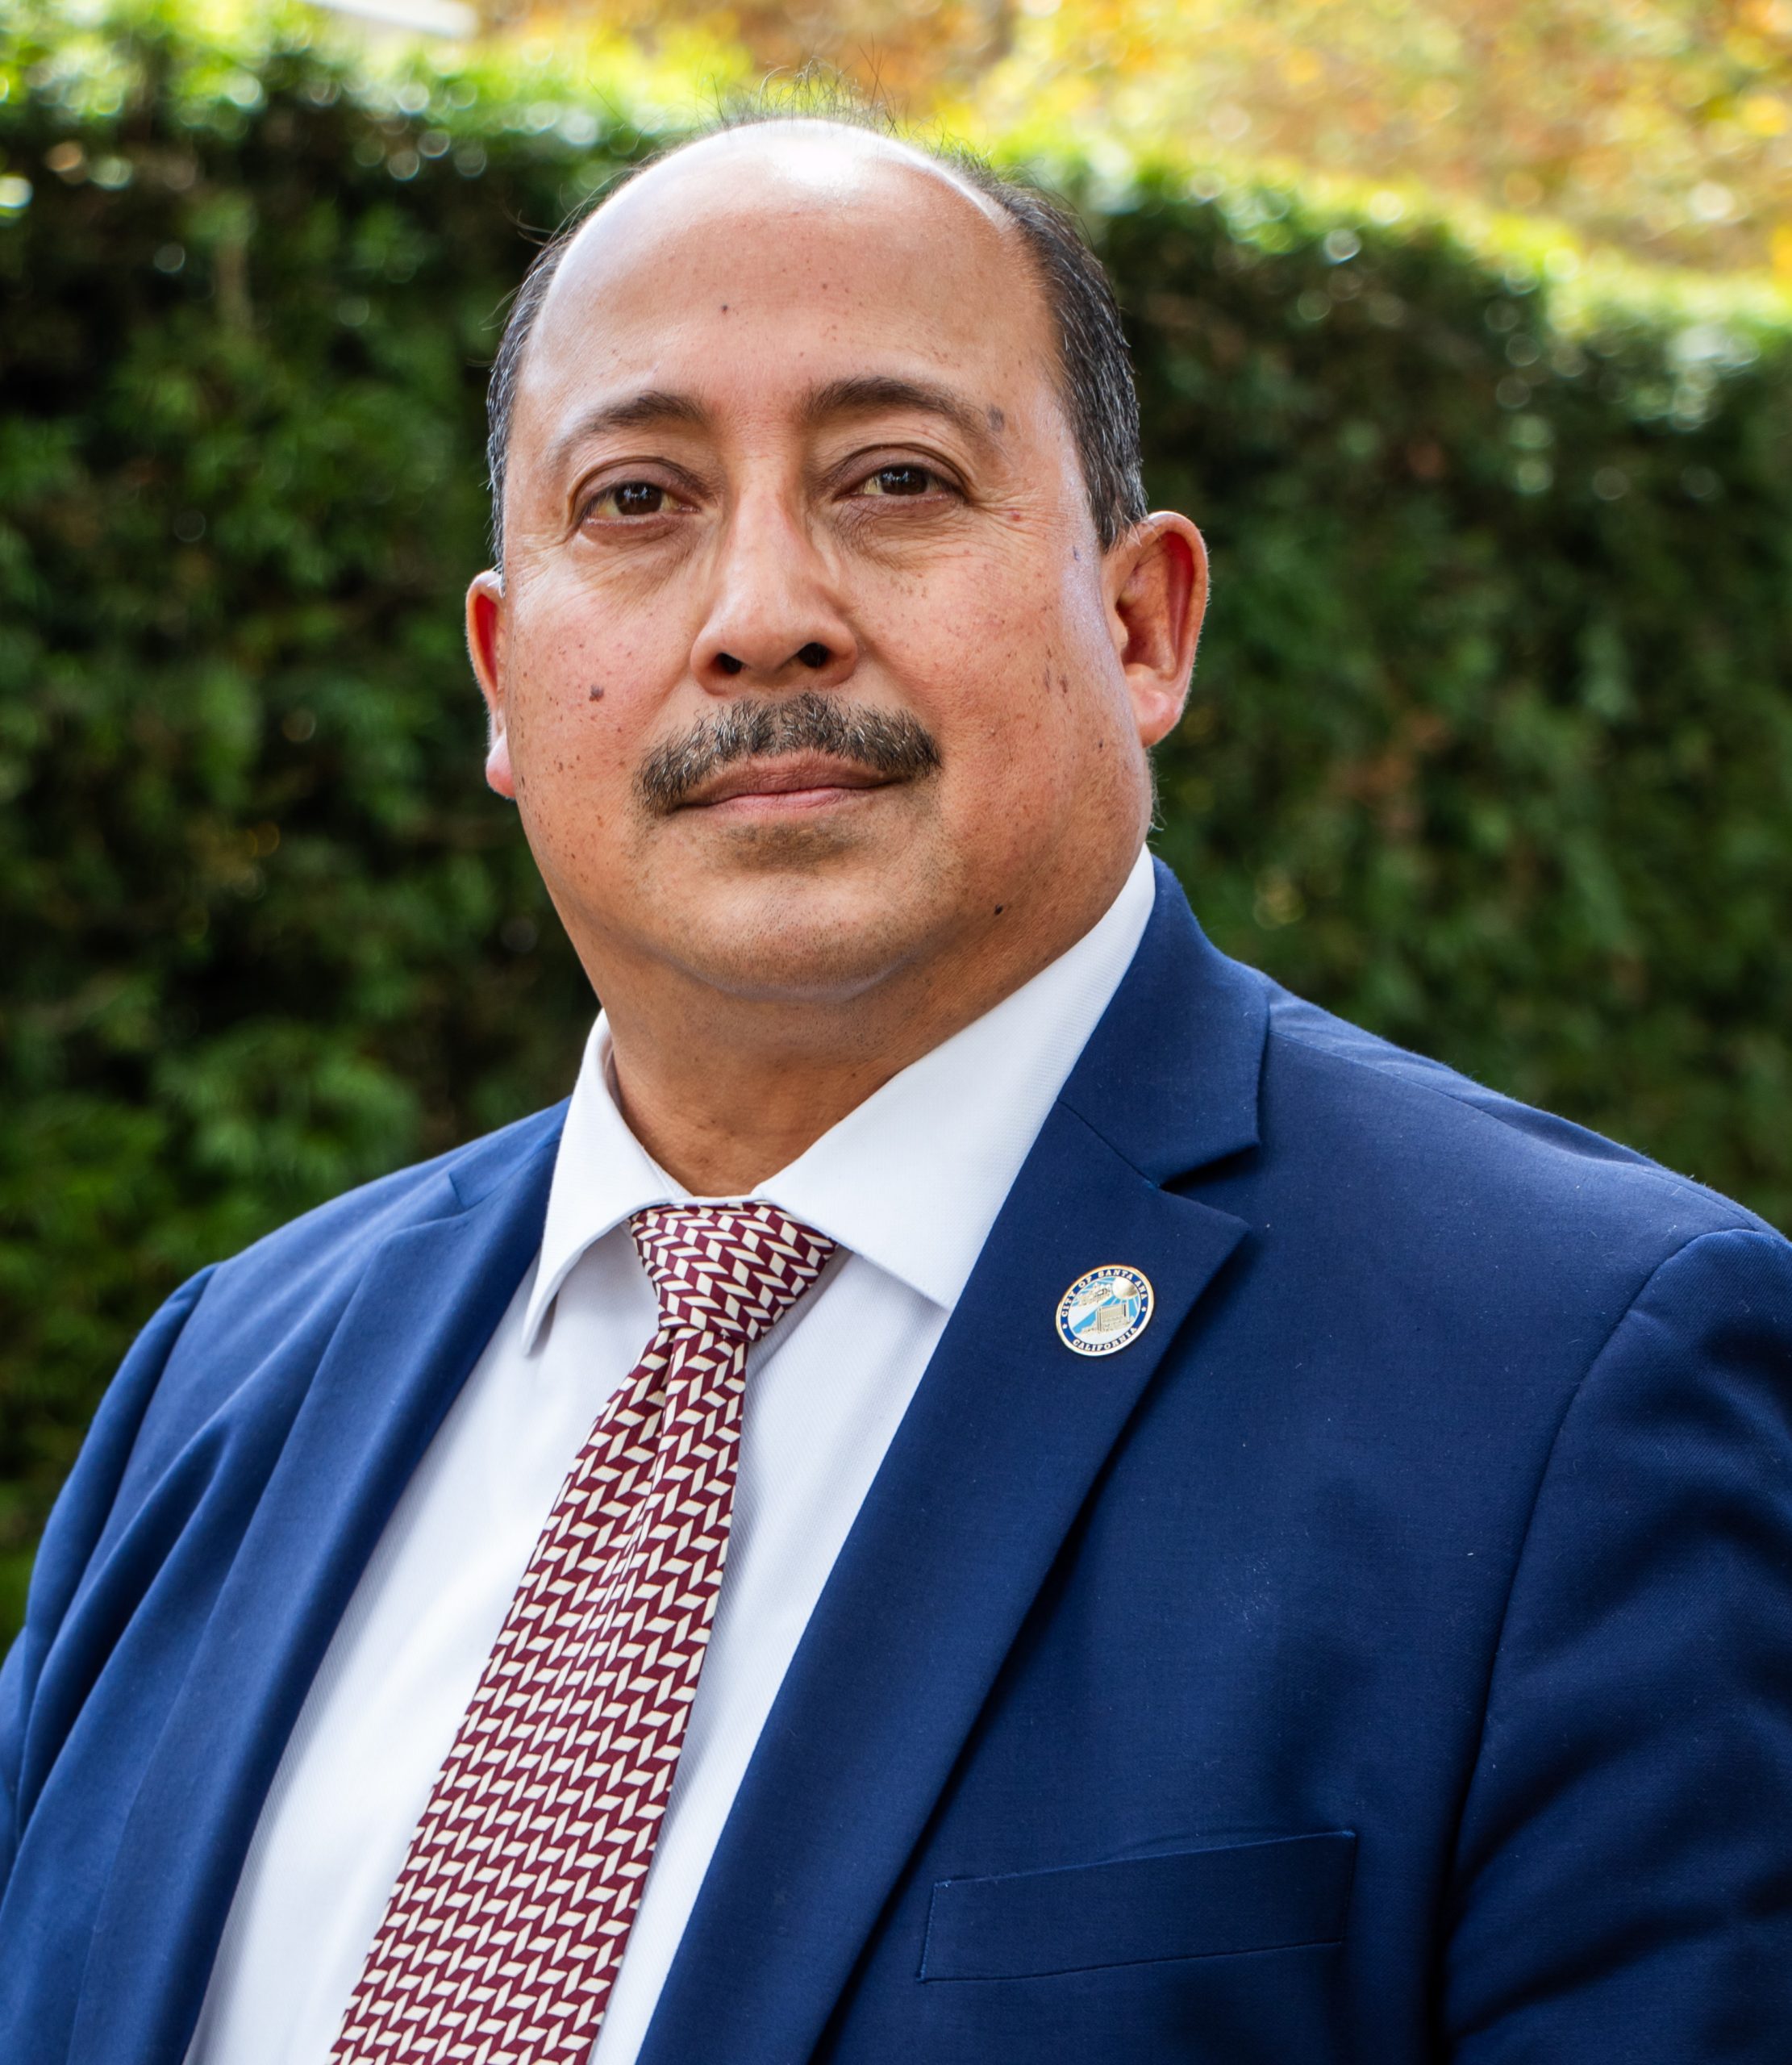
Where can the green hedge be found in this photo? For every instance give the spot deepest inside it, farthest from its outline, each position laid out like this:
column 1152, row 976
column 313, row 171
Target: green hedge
column 1491, row 747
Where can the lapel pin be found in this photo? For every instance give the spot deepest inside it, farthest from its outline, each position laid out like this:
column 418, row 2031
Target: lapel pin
column 1105, row 1309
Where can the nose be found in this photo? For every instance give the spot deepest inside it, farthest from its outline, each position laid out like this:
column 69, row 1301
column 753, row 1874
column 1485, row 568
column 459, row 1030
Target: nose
column 775, row 619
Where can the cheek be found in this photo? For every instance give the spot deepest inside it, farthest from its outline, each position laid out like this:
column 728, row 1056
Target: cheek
column 585, row 688
column 1049, row 756
column 1017, row 689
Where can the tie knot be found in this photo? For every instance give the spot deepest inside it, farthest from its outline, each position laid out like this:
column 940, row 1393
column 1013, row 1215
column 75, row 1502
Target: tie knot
column 732, row 1270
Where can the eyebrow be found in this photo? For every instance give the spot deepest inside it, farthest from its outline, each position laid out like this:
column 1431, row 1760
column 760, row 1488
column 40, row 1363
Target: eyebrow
column 864, row 393
column 858, row 394
column 652, row 407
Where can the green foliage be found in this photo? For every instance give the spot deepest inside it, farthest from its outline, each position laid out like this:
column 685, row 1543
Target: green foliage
column 1491, row 747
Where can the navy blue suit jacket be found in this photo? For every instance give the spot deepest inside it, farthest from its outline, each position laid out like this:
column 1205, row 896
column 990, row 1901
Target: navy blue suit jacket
column 1387, row 1657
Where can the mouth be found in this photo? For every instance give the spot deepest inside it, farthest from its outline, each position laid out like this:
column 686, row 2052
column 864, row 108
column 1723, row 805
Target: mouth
column 791, row 782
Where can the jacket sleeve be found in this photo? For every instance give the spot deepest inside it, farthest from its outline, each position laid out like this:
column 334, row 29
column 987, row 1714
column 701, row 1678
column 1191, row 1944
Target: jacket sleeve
column 77, row 1525
column 1623, row 1885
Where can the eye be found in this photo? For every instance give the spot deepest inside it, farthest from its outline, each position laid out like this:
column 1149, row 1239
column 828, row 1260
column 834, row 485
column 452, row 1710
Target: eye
column 901, row 480
column 631, row 499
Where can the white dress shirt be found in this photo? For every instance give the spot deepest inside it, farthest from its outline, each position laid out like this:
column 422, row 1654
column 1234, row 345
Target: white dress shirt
column 909, row 1185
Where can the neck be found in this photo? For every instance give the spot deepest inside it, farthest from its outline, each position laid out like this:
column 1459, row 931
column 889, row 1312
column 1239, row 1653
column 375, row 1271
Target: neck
column 723, row 1091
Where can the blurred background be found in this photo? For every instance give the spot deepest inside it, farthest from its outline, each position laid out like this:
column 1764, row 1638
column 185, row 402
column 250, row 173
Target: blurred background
column 1463, row 327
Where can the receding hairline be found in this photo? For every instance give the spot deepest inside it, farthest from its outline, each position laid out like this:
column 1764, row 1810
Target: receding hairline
column 770, row 141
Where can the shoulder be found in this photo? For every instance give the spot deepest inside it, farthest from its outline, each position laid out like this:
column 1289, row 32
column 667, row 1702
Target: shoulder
column 1402, row 1116
column 339, row 1235
column 1452, row 1283
column 1405, row 1201
column 277, row 1303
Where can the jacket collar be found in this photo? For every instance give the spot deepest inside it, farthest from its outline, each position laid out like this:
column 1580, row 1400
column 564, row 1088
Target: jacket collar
column 1170, row 1077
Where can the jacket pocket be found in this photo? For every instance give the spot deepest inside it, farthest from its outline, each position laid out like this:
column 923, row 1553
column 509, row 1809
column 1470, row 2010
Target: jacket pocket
column 1271, row 1895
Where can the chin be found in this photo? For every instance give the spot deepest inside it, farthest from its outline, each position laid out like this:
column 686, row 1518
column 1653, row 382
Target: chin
column 806, row 941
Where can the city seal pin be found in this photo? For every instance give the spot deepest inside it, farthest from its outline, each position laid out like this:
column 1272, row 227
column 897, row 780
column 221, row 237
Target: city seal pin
column 1105, row 1309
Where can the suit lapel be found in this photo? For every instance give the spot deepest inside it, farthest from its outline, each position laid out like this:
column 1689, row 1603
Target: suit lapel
column 428, row 1302
column 996, row 1457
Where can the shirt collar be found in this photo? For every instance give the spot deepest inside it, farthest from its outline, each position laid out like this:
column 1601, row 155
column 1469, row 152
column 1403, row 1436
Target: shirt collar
column 911, row 1179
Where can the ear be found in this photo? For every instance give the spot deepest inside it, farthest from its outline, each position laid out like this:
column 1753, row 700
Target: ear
column 1157, row 582
column 486, row 650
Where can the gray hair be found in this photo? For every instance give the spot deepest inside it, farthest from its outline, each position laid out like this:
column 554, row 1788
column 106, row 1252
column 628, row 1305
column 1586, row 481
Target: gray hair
column 1094, row 366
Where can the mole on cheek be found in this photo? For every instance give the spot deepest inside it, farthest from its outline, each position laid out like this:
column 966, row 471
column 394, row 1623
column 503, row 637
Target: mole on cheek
column 597, row 692
column 999, row 422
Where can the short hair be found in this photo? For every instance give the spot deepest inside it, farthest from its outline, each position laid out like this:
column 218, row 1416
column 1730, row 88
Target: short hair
column 1094, row 366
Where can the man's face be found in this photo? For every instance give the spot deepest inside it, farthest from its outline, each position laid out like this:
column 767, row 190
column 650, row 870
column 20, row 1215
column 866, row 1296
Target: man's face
column 806, row 669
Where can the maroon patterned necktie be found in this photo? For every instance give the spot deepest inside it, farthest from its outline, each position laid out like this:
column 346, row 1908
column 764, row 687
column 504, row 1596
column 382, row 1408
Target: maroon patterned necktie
column 504, row 1932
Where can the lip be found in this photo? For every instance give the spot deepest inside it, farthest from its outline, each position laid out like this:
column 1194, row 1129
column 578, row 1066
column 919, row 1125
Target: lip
column 796, row 781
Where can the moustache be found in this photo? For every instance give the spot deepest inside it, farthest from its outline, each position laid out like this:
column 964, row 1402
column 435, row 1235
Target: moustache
column 888, row 742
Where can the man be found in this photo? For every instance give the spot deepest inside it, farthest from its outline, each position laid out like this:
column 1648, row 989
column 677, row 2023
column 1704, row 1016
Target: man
column 1239, row 1545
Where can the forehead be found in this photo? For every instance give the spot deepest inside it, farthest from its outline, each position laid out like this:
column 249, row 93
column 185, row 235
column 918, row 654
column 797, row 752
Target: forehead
column 758, row 264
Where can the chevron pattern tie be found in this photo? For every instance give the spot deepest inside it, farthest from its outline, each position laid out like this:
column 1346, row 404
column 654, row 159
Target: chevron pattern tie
column 507, row 1926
